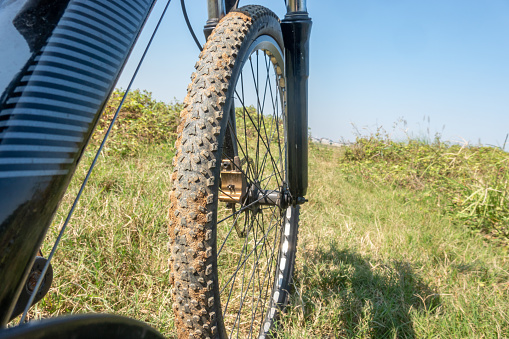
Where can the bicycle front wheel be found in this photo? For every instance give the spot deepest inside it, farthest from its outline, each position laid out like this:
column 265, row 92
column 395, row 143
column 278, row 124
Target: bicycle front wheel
column 232, row 232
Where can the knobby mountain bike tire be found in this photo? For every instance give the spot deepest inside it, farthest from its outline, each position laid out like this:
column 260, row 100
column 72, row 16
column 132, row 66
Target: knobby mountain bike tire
column 233, row 248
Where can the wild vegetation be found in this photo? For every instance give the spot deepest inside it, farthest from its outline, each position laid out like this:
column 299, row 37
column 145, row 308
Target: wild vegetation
column 382, row 259
column 141, row 121
column 468, row 183
column 398, row 240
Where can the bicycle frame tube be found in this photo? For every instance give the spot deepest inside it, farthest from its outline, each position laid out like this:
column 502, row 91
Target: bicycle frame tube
column 296, row 28
column 69, row 55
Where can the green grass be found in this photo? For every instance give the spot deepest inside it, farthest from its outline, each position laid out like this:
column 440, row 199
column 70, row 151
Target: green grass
column 379, row 261
column 142, row 120
column 379, row 255
column 469, row 183
column 113, row 257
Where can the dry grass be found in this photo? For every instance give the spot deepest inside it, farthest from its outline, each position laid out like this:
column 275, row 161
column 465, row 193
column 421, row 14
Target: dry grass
column 373, row 261
column 378, row 262
column 113, row 257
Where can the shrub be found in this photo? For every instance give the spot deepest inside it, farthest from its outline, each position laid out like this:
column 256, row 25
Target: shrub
column 471, row 180
column 141, row 121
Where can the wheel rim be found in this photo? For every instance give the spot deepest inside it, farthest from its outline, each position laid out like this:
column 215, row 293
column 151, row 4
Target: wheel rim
column 248, row 265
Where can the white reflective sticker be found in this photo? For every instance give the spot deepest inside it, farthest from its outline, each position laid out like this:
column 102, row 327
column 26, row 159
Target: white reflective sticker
column 283, row 264
column 276, row 296
column 266, row 327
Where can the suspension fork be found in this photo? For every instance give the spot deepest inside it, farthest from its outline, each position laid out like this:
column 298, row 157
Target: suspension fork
column 296, row 28
column 217, row 9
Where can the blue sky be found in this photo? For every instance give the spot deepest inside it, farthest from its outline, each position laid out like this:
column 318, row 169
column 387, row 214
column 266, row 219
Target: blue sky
column 441, row 66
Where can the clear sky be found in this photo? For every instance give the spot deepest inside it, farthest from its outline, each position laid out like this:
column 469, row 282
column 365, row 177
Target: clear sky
column 440, row 65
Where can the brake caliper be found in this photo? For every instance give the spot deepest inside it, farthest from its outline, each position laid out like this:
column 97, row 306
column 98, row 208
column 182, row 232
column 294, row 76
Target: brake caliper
column 233, row 188
column 233, row 182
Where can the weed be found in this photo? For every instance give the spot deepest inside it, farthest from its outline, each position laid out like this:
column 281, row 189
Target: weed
column 471, row 183
column 378, row 259
column 141, row 121
column 377, row 256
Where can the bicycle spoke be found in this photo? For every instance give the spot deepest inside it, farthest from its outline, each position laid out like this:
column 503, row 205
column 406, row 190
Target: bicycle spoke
column 275, row 109
column 253, row 122
column 268, row 276
column 237, row 213
column 234, row 276
column 262, row 121
column 247, row 257
column 274, row 164
column 260, row 288
column 246, row 233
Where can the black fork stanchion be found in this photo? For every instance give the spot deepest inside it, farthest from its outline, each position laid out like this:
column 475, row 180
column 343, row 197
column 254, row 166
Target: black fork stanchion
column 296, row 28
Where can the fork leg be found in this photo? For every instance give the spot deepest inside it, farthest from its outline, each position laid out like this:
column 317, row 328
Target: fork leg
column 296, row 28
column 296, row 6
column 217, row 9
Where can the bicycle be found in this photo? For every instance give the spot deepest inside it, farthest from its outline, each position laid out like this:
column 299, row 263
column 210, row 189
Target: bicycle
column 232, row 164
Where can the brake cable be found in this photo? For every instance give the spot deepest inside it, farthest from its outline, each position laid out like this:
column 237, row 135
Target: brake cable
column 184, row 11
column 78, row 196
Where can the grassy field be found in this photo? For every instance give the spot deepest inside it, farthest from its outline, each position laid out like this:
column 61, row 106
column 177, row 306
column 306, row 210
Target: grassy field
column 378, row 261
column 379, row 256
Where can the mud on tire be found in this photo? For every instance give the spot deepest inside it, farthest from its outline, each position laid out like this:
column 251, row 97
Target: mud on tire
column 231, row 264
